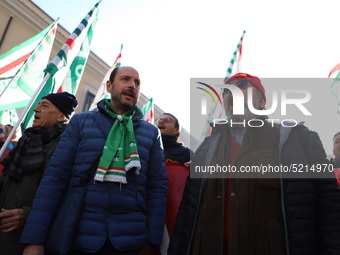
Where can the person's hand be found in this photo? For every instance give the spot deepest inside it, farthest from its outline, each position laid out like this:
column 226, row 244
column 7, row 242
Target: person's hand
column 33, row 249
column 187, row 164
column 11, row 219
column 149, row 250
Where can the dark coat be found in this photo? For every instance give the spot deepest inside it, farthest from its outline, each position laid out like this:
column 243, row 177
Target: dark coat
column 310, row 206
column 175, row 152
column 20, row 194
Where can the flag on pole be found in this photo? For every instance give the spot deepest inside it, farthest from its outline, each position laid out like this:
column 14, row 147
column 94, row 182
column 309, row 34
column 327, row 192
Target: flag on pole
column 70, row 60
column 17, row 91
column 236, row 57
column 148, row 111
column 9, row 117
column 12, row 60
column 10, row 63
column 76, row 70
column 102, row 93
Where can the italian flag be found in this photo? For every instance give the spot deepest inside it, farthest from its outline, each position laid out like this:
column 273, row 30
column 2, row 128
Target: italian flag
column 238, row 51
column 148, row 111
column 21, row 79
column 236, row 57
column 102, row 93
column 12, row 60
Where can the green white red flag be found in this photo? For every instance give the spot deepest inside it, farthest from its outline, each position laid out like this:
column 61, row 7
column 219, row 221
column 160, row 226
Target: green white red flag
column 12, row 60
column 102, row 93
column 236, row 57
column 76, row 70
column 10, row 63
column 148, row 111
column 65, row 70
column 17, row 91
column 237, row 54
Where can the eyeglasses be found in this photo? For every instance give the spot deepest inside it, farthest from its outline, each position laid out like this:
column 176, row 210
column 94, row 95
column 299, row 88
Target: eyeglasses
column 165, row 120
column 2, row 131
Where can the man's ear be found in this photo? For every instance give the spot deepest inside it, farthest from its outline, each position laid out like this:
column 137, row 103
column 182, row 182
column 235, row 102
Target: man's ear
column 61, row 117
column 177, row 130
column 109, row 86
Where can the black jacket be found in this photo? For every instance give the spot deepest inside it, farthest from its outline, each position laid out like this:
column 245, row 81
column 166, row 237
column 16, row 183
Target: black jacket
column 174, row 151
column 310, row 206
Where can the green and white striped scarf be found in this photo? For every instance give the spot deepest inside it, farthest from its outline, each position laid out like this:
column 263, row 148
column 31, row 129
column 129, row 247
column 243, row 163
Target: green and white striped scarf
column 120, row 152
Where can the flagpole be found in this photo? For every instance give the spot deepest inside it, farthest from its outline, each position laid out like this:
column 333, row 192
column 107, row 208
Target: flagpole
column 7, row 86
column 102, row 89
column 213, row 106
column 23, row 114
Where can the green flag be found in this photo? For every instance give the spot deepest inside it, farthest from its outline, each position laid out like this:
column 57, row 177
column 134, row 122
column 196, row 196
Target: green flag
column 67, row 67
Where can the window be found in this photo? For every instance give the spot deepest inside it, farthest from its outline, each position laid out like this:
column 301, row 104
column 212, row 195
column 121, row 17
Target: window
column 89, row 97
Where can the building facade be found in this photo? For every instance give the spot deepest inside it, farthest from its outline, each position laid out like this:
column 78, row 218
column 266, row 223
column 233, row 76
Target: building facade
column 22, row 19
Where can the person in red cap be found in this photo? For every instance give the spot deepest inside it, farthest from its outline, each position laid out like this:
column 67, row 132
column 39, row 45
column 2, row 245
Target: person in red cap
column 236, row 212
column 244, row 81
column 25, row 165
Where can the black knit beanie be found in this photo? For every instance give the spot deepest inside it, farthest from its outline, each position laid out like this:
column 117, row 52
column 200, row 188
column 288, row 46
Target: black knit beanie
column 64, row 101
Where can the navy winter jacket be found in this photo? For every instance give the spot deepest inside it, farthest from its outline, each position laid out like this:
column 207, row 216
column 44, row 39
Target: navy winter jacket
column 128, row 214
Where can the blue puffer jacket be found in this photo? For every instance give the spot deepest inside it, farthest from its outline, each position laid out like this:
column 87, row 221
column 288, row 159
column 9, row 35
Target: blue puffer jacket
column 129, row 214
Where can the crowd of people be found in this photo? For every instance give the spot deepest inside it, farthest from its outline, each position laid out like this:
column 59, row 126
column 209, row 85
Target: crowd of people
column 141, row 198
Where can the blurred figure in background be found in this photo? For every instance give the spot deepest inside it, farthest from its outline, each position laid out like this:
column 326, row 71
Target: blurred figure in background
column 177, row 158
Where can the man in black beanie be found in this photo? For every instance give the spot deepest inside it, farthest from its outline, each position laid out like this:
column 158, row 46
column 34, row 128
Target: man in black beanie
column 25, row 165
column 64, row 101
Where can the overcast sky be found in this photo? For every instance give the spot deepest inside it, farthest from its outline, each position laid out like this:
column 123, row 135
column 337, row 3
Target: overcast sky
column 169, row 42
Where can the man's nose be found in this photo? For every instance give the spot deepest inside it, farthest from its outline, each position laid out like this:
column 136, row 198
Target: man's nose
column 132, row 84
column 36, row 108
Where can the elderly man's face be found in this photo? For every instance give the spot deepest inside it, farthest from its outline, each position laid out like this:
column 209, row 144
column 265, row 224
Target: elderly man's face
column 258, row 103
column 47, row 114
